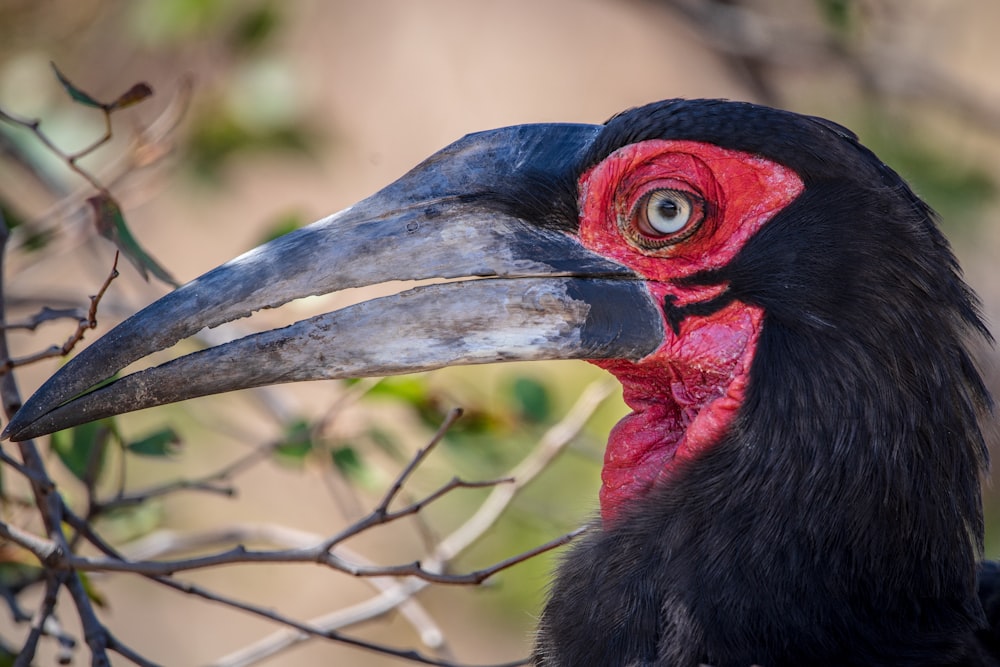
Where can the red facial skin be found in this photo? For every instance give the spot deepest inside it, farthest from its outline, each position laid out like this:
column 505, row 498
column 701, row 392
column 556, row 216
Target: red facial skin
column 684, row 395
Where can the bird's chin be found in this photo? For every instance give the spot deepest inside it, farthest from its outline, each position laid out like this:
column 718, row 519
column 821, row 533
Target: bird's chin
column 684, row 397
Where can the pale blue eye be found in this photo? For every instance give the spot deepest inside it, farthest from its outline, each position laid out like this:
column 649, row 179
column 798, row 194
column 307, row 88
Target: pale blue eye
column 667, row 212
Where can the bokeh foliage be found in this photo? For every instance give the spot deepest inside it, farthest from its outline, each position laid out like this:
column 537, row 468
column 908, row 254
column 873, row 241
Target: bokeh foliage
column 248, row 106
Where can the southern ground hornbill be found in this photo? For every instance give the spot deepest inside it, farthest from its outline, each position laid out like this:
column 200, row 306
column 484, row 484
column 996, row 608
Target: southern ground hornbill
column 798, row 481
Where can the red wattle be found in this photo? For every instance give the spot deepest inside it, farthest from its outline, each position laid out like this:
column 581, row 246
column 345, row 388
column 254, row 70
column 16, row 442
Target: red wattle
column 686, row 394
column 683, row 398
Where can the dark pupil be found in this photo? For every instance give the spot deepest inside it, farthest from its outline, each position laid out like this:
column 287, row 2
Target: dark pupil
column 667, row 208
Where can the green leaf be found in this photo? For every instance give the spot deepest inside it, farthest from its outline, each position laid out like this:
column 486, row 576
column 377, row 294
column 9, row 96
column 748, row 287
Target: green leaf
column 7, row 658
column 296, row 443
column 286, row 223
column 8, row 216
column 133, row 95
column 347, row 460
column 31, row 238
column 124, row 524
column 838, row 14
column 83, row 446
column 36, row 239
column 78, row 95
column 19, row 568
column 293, row 452
column 409, row 389
column 255, row 27
column 386, row 442
column 164, row 442
column 95, row 595
column 218, row 136
column 176, row 23
column 532, row 399
column 110, row 222
column 475, row 421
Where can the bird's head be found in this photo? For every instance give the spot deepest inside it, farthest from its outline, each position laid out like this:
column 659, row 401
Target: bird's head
column 722, row 259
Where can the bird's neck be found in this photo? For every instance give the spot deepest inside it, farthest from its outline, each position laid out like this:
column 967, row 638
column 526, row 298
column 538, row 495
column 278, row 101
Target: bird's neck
column 806, row 496
column 683, row 399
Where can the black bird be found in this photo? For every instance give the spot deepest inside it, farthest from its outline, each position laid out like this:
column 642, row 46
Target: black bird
column 798, row 482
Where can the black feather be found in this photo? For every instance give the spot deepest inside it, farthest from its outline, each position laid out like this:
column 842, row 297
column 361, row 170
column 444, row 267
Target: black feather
column 839, row 522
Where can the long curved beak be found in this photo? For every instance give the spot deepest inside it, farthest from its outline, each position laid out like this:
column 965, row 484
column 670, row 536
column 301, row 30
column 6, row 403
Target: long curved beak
column 480, row 211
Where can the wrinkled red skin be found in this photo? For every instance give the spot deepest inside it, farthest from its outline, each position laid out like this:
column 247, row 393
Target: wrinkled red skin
column 686, row 394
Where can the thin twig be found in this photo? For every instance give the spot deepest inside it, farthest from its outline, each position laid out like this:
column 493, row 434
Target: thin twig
column 72, row 158
column 34, row 125
column 169, row 488
column 207, row 483
column 116, row 645
column 16, row 612
column 380, row 515
column 46, row 314
column 26, row 472
column 46, row 551
column 447, row 487
column 89, row 322
column 150, row 145
column 244, row 533
column 47, row 500
column 94, row 633
column 281, row 640
column 487, row 572
column 317, row 554
column 554, row 441
column 52, row 584
column 449, row 421
column 165, row 542
column 411, row 655
column 241, row 554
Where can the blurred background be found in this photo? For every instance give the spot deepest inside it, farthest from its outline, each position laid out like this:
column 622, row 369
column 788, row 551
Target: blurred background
column 268, row 115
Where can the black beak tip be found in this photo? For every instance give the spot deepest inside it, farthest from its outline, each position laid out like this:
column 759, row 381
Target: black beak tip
column 17, row 430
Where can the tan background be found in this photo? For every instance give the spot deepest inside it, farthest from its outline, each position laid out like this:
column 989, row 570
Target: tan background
column 384, row 84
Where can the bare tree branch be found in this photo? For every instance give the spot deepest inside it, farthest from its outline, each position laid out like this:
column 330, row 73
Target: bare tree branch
column 165, row 542
column 52, row 585
column 44, row 550
column 552, row 443
column 88, row 322
column 412, row 656
column 24, row 471
column 34, row 125
column 382, row 509
column 47, row 500
column 46, row 314
column 209, row 483
column 762, row 44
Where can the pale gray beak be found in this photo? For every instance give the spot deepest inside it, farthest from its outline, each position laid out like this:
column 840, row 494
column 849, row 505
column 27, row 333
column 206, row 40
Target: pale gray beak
column 495, row 210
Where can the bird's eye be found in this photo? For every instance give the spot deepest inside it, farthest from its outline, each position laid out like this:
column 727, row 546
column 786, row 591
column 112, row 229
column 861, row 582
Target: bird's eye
column 664, row 217
column 665, row 212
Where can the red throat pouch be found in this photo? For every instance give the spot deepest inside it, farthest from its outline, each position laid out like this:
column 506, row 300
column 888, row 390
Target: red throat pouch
column 685, row 395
